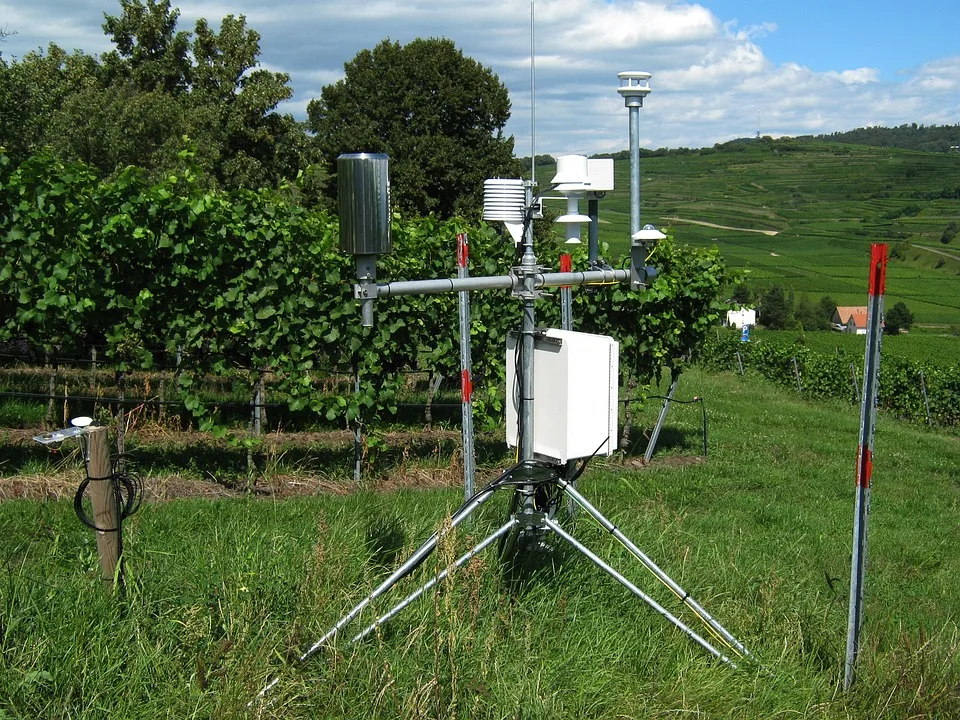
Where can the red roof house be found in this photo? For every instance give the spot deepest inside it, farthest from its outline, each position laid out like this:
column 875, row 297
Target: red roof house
column 851, row 319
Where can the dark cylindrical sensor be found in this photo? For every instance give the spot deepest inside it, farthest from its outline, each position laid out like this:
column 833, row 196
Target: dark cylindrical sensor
column 364, row 182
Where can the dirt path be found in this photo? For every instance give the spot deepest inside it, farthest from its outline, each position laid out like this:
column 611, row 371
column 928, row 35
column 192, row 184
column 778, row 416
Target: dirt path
column 771, row 233
column 952, row 256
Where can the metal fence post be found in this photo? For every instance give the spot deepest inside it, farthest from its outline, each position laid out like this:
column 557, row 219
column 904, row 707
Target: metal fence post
column 926, row 401
column 466, row 370
column 864, row 467
column 566, row 295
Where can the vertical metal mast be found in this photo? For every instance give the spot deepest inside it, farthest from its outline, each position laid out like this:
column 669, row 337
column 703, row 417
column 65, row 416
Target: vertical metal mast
column 634, row 86
column 533, row 97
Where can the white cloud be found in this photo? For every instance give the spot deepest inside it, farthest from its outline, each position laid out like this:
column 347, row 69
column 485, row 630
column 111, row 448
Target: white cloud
column 710, row 76
column 855, row 77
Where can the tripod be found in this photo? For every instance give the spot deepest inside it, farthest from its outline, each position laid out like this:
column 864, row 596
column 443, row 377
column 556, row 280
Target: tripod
column 538, row 485
column 537, row 488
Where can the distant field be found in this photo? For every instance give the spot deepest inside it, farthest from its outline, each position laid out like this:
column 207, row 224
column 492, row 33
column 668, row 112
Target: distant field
column 827, row 204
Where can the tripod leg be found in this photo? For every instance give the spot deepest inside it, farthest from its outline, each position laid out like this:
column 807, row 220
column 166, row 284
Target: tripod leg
column 637, row 591
column 405, row 569
column 461, row 561
column 681, row 594
column 411, row 564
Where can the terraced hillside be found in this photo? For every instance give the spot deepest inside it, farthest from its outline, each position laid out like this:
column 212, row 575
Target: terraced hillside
column 803, row 214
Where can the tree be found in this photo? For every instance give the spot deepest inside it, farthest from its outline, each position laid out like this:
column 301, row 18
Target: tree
column 136, row 103
column 898, row 318
column 776, row 311
column 949, row 232
column 742, row 294
column 438, row 114
column 826, row 307
column 806, row 313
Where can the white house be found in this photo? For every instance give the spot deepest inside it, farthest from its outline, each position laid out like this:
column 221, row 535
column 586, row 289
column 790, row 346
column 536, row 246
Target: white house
column 741, row 317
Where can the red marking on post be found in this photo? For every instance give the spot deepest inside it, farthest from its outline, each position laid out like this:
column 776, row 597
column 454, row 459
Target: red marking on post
column 878, row 269
column 463, row 250
column 466, row 386
column 864, row 467
column 566, row 265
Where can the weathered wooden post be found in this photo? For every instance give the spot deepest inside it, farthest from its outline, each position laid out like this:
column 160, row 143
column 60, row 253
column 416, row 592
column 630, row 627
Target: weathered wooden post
column 106, row 505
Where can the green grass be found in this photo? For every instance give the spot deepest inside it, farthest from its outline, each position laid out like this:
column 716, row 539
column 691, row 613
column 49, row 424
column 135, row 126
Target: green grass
column 221, row 594
column 827, row 202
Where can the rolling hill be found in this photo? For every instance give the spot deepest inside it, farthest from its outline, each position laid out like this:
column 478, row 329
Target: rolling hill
column 803, row 214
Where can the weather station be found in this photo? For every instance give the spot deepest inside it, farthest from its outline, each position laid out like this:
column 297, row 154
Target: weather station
column 562, row 386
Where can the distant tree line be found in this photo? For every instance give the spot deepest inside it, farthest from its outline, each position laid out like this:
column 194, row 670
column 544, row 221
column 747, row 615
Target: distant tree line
column 162, row 91
column 778, row 309
column 928, row 138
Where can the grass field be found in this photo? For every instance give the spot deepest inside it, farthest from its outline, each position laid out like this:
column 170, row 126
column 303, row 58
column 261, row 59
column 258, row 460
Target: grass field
column 826, row 203
column 223, row 593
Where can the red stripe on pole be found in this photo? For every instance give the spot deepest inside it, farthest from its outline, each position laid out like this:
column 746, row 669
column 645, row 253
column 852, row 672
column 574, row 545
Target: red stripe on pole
column 463, row 250
column 466, row 386
column 864, row 467
column 566, row 265
column 878, row 269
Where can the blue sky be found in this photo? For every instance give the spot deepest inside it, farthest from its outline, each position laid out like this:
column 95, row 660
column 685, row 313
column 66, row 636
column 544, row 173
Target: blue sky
column 806, row 67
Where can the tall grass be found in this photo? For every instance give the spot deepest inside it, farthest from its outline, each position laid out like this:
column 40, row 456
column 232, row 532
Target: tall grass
column 224, row 595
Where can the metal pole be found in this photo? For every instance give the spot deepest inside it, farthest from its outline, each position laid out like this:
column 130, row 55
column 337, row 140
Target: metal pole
column 634, row 170
column 460, row 562
column 926, row 400
column 740, row 362
column 566, row 295
column 515, row 282
column 681, row 594
column 593, row 243
column 527, row 291
column 357, row 433
column 661, row 419
column 466, row 370
column 796, row 375
column 864, row 467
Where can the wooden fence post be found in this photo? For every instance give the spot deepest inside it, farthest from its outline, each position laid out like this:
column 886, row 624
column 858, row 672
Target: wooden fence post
column 106, row 504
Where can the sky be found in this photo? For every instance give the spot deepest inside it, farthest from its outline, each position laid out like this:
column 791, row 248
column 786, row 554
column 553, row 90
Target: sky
column 721, row 68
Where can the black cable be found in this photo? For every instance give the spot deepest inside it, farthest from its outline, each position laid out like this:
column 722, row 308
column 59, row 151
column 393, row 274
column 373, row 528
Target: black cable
column 696, row 399
column 128, row 490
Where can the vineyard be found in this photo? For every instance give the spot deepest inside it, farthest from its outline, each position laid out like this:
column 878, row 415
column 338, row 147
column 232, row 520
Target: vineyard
column 246, row 289
column 918, row 391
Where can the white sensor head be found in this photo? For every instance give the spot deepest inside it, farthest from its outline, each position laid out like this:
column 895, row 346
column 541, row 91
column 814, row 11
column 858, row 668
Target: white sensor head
column 81, row 422
column 634, row 87
column 648, row 234
column 573, row 174
column 504, row 200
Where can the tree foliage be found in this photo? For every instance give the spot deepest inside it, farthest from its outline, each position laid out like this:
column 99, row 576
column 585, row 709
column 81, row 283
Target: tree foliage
column 897, row 318
column 776, row 308
column 438, row 114
column 134, row 104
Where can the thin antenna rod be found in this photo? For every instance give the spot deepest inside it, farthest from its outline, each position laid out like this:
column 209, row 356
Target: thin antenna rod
column 533, row 97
